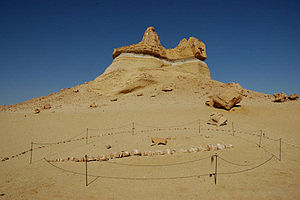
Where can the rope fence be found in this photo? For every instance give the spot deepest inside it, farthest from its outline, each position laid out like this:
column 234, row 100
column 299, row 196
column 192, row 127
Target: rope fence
column 198, row 126
column 212, row 158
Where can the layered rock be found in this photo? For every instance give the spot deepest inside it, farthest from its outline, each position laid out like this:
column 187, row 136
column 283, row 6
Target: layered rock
column 150, row 45
column 148, row 65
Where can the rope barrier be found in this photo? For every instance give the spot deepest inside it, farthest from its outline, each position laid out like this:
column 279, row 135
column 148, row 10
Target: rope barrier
column 292, row 145
column 161, row 165
column 106, row 129
column 188, row 123
column 237, row 164
column 249, row 169
column 158, row 178
column 126, row 178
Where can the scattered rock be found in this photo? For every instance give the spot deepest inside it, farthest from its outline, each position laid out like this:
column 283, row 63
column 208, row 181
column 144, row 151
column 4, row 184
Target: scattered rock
column 47, row 106
column 157, row 141
column 135, row 152
column 210, row 102
column 139, row 94
column 125, row 154
column 4, row 159
column 37, row 111
column 280, row 97
column 108, row 146
column 167, row 88
column 114, row 99
column 220, row 146
column 293, row 97
column 75, row 90
column 153, row 95
column 226, row 98
column 103, row 158
column 93, row 105
column 218, row 119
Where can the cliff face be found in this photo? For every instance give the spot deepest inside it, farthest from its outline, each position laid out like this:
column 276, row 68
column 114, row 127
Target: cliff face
column 150, row 45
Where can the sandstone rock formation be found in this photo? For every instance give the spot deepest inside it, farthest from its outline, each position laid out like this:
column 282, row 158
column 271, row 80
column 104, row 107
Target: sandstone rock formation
column 226, row 98
column 148, row 64
column 280, row 97
column 293, row 97
column 150, row 45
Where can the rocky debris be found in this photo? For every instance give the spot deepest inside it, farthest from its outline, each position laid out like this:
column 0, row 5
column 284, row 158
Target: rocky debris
column 47, row 106
column 150, row 45
column 293, row 97
column 37, row 111
column 136, row 152
column 75, row 90
column 139, row 94
column 210, row 102
column 226, row 98
column 108, row 146
column 4, row 159
column 280, row 97
column 93, row 105
column 168, row 87
column 158, row 141
column 114, row 99
column 218, row 119
column 125, row 154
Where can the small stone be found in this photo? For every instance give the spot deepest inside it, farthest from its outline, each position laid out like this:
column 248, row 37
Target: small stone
column 37, row 111
column 93, row 105
column 108, row 146
column 75, row 90
column 209, row 103
column 139, row 94
column 47, row 106
column 114, row 99
column 167, row 88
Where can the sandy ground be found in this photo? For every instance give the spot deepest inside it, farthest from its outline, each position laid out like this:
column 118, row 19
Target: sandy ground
column 273, row 180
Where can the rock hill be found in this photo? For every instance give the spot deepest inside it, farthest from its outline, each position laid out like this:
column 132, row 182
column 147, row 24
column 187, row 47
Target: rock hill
column 145, row 69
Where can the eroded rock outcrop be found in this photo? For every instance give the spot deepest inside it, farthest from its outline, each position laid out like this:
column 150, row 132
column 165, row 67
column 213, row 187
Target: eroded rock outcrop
column 280, row 97
column 148, row 65
column 293, row 97
column 150, row 45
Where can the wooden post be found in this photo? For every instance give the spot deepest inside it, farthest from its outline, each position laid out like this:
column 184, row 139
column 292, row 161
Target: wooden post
column 216, row 167
column 86, row 171
column 280, row 149
column 199, row 125
column 31, row 149
column 259, row 145
column 232, row 129
column 132, row 128
column 87, row 135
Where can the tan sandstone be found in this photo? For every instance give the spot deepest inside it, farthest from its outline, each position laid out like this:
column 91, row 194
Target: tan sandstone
column 150, row 44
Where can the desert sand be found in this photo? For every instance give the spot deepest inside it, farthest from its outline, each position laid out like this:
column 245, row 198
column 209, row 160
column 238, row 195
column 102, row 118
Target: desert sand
column 139, row 97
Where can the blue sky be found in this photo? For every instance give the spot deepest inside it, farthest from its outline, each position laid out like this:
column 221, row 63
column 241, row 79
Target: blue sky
column 49, row 45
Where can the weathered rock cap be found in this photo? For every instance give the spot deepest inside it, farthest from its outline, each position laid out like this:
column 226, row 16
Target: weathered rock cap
column 150, row 45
